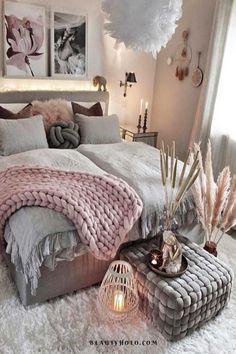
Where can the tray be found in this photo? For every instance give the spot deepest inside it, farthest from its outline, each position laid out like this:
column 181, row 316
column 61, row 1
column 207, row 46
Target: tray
column 183, row 268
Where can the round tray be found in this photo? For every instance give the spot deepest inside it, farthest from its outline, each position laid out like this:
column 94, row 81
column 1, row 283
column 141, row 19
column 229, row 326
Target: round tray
column 183, row 268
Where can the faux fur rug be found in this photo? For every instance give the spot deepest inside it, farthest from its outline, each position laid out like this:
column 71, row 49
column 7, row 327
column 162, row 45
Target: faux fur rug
column 72, row 324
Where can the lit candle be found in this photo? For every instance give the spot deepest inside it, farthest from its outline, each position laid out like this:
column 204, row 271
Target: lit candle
column 154, row 261
column 155, row 257
column 141, row 106
column 119, row 301
column 146, row 105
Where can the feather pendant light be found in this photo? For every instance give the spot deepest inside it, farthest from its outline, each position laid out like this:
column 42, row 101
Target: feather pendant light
column 144, row 25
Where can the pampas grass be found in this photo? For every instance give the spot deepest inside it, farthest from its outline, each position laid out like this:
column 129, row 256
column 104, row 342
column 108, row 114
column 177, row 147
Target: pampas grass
column 215, row 202
column 223, row 184
column 175, row 187
column 210, row 189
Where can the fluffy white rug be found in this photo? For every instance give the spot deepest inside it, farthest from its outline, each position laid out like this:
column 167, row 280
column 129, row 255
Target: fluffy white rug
column 69, row 324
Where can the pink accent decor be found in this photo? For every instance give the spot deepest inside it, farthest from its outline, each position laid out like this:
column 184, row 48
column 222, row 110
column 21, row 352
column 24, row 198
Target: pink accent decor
column 53, row 110
column 103, row 208
column 25, row 39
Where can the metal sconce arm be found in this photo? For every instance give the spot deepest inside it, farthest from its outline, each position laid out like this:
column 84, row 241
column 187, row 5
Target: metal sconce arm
column 129, row 80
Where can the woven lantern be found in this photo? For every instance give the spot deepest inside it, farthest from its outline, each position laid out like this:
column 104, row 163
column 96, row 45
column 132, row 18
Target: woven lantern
column 118, row 296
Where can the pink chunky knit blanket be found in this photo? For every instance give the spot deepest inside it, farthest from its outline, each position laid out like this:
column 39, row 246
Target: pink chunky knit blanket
column 102, row 207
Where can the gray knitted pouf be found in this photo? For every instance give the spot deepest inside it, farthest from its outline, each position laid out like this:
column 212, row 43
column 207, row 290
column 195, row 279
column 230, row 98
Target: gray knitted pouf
column 177, row 306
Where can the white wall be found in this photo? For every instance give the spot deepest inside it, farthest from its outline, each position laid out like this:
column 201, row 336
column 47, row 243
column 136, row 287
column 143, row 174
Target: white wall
column 116, row 64
column 175, row 102
column 103, row 60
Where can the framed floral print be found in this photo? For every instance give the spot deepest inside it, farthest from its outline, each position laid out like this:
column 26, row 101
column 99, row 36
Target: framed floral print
column 24, row 40
column 68, row 45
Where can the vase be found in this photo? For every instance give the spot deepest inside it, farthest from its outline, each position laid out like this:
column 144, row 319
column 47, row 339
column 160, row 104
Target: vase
column 210, row 246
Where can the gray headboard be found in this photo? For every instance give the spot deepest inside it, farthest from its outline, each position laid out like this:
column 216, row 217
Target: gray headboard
column 79, row 96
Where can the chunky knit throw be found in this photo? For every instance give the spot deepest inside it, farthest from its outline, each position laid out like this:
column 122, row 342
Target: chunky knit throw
column 103, row 208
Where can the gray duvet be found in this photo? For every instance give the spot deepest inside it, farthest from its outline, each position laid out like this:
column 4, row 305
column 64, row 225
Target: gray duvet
column 139, row 165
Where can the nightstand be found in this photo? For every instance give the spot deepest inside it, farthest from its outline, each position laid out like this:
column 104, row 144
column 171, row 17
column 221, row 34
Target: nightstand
column 132, row 134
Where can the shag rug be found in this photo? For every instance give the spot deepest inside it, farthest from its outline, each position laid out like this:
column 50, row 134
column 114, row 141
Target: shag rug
column 72, row 324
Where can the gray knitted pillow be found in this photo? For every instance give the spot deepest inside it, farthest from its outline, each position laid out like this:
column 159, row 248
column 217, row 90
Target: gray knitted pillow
column 64, row 135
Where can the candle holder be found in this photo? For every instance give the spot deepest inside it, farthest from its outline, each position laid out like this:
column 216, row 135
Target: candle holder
column 118, row 296
column 155, row 258
column 139, row 126
column 145, row 121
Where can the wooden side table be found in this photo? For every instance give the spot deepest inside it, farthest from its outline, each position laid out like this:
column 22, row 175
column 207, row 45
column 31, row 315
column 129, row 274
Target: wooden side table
column 131, row 134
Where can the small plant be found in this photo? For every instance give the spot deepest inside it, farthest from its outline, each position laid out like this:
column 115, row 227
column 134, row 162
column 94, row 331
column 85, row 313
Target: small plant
column 215, row 202
column 176, row 181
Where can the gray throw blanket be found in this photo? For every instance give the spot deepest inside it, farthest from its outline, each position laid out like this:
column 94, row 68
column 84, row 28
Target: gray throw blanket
column 139, row 165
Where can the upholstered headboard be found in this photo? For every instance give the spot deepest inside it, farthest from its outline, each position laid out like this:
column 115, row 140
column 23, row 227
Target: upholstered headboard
column 77, row 96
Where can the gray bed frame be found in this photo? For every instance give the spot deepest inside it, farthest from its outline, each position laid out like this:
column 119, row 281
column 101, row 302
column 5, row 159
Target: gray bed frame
column 79, row 96
column 84, row 270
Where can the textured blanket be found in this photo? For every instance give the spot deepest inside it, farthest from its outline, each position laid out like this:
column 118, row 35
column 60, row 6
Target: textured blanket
column 103, row 208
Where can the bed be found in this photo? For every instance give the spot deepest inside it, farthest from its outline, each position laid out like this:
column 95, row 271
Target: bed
column 59, row 270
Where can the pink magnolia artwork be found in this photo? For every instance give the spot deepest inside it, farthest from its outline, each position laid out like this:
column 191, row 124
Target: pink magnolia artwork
column 25, row 40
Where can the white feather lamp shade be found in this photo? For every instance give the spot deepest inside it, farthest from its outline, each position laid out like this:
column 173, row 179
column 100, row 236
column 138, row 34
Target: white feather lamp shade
column 118, row 296
column 145, row 25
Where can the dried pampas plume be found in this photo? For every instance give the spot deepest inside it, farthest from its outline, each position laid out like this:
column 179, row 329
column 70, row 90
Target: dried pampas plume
column 229, row 207
column 223, row 184
column 176, row 186
column 215, row 202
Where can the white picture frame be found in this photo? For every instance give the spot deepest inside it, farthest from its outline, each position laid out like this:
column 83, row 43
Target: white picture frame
column 69, row 45
column 24, row 42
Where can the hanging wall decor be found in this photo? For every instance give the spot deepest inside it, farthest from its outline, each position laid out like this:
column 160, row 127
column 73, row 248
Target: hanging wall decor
column 68, row 45
column 24, row 40
column 197, row 75
column 142, row 26
column 183, row 57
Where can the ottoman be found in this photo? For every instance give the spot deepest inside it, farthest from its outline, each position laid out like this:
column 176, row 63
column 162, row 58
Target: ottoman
column 177, row 306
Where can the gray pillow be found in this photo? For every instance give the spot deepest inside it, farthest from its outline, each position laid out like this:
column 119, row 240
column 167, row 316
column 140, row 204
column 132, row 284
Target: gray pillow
column 22, row 135
column 98, row 130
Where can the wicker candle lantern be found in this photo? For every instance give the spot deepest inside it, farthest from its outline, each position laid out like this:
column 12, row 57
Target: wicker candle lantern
column 118, row 296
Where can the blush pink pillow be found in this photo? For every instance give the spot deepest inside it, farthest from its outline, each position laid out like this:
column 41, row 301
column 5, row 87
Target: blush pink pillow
column 53, row 110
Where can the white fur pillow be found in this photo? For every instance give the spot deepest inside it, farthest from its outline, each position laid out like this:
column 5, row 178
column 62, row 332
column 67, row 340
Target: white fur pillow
column 52, row 111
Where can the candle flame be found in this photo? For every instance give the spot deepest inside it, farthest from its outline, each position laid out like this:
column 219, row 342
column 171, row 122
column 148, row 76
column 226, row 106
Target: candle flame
column 119, row 301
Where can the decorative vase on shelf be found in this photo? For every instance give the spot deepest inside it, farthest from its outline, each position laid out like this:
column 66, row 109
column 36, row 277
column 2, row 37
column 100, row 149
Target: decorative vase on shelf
column 211, row 247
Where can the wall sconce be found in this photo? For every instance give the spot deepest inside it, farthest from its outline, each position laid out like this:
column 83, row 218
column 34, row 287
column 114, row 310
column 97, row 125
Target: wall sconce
column 129, row 77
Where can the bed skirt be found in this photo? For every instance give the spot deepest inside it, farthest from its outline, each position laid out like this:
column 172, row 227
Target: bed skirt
column 68, row 276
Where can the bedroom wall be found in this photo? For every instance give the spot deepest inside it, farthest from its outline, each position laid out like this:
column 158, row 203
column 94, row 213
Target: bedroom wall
column 103, row 60
column 175, row 102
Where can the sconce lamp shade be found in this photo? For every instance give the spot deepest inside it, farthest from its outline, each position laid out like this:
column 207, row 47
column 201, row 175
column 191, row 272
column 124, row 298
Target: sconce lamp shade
column 130, row 77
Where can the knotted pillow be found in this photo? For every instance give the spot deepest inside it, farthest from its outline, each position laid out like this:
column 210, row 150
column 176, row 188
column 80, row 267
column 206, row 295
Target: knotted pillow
column 64, row 135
